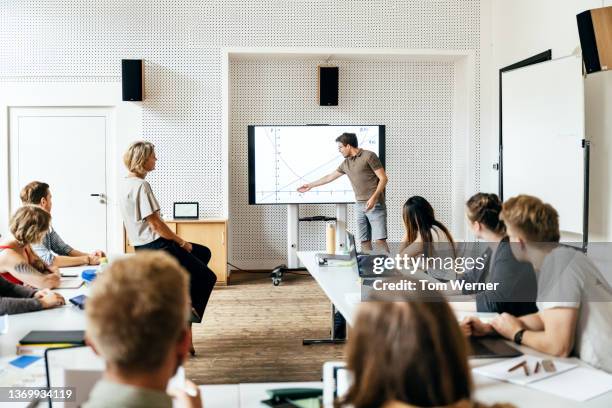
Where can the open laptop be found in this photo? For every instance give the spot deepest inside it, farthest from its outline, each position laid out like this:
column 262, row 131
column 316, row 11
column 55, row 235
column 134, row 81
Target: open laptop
column 336, row 381
column 486, row 347
column 78, row 369
column 352, row 253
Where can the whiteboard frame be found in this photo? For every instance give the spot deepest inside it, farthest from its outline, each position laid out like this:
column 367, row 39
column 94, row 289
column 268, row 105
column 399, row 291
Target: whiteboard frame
column 545, row 57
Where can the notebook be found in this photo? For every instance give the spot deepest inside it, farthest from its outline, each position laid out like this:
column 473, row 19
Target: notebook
column 54, row 336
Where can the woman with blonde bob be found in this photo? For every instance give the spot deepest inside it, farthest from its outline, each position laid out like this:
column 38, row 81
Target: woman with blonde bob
column 146, row 229
column 19, row 264
column 408, row 352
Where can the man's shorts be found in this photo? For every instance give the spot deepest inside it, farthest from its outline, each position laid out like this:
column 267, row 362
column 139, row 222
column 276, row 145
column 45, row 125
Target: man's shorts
column 371, row 225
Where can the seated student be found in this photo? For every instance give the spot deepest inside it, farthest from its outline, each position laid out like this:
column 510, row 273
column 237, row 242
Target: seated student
column 137, row 321
column 18, row 262
column 53, row 250
column 16, row 299
column 422, row 229
column 574, row 299
column 516, row 292
column 407, row 353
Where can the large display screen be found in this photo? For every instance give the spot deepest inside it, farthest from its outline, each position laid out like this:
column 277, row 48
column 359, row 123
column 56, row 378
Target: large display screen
column 283, row 158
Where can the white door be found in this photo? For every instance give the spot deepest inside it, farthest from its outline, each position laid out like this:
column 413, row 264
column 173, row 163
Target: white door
column 65, row 148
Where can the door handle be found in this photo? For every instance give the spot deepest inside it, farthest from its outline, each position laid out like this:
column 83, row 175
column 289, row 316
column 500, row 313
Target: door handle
column 102, row 197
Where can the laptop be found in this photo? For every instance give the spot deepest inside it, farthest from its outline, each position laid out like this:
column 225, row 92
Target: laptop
column 336, row 381
column 324, row 258
column 486, row 347
column 77, row 368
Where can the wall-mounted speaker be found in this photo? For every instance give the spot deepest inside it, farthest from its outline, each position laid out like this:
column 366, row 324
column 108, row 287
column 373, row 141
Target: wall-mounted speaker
column 328, row 86
column 132, row 79
column 595, row 30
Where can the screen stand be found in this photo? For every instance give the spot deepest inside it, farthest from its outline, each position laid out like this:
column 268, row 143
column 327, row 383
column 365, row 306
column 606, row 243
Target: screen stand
column 293, row 238
column 293, row 245
column 293, row 235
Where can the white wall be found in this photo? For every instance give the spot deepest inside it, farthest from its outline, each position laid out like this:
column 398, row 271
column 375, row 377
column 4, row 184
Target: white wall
column 419, row 140
column 182, row 44
column 522, row 28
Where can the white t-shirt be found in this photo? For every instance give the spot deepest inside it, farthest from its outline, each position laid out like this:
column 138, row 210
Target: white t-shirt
column 137, row 202
column 569, row 279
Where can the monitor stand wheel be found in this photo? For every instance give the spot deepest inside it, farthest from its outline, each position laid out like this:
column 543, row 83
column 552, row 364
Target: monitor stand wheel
column 277, row 274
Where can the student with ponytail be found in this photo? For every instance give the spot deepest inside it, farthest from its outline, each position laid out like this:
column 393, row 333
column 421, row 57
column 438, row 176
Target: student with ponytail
column 517, row 286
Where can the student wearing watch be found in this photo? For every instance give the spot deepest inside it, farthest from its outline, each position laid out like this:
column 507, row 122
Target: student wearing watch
column 574, row 299
column 146, row 229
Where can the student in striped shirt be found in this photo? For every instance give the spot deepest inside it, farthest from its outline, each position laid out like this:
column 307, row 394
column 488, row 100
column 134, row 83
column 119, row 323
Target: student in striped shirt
column 52, row 249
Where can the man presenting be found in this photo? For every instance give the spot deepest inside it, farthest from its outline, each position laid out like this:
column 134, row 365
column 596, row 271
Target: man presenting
column 368, row 178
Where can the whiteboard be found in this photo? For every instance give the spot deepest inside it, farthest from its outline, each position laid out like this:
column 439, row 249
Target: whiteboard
column 283, row 158
column 543, row 130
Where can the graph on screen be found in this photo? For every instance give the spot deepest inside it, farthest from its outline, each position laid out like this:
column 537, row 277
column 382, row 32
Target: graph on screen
column 283, row 158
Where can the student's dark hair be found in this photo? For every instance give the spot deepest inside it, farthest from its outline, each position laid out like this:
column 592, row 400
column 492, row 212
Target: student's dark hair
column 348, row 139
column 34, row 192
column 409, row 350
column 485, row 209
column 419, row 219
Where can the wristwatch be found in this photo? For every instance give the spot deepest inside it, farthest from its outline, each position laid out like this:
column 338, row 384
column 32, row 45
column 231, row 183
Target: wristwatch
column 518, row 336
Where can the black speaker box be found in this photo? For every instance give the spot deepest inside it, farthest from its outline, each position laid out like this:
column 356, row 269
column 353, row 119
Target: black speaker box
column 132, row 79
column 328, row 86
column 595, row 30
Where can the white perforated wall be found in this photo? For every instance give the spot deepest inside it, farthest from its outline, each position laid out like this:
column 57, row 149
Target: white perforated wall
column 182, row 43
column 413, row 99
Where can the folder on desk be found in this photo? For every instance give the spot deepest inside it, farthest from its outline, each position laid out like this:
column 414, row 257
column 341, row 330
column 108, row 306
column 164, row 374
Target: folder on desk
column 76, row 337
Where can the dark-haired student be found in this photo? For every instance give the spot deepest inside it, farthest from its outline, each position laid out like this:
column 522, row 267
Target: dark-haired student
column 423, row 230
column 574, row 299
column 517, row 286
column 408, row 353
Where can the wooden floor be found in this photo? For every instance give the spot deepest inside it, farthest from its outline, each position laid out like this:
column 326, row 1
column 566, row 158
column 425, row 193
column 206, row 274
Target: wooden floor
column 253, row 331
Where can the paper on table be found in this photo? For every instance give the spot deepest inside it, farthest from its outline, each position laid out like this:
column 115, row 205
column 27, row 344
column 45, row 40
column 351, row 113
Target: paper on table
column 31, row 376
column 579, row 384
column 499, row 370
column 70, row 283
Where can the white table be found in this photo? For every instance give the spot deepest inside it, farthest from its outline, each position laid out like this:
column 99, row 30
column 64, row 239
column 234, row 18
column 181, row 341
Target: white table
column 341, row 284
column 251, row 394
column 220, row 396
column 336, row 281
column 67, row 317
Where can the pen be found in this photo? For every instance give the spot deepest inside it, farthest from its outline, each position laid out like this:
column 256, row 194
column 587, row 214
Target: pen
column 522, row 363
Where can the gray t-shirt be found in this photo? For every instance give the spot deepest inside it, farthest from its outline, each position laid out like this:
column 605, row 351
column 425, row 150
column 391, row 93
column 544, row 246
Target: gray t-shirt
column 569, row 279
column 137, row 202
